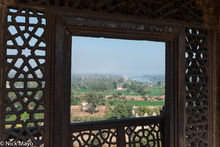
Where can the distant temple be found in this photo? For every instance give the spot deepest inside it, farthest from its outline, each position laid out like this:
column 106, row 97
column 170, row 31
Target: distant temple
column 119, row 87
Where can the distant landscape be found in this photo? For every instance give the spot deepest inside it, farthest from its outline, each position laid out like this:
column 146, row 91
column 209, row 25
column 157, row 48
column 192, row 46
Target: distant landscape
column 97, row 97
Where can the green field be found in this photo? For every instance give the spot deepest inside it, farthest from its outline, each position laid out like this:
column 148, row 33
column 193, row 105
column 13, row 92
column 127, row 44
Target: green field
column 139, row 103
column 149, row 92
column 155, row 92
column 124, row 92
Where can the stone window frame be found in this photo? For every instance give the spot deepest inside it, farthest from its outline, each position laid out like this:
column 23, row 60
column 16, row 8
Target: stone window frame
column 78, row 25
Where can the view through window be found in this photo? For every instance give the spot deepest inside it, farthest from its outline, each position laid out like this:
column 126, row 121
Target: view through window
column 116, row 79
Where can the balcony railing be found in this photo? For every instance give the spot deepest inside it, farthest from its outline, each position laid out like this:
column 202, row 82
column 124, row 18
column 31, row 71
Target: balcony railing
column 135, row 132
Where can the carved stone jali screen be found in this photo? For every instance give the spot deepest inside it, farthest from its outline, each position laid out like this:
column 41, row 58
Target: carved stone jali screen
column 197, row 88
column 184, row 10
column 24, row 76
column 27, row 47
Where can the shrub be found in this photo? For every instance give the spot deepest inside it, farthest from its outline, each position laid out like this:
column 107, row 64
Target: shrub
column 111, row 103
column 75, row 100
column 122, row 98
column 121, row 110
column 114, row 95
column 94, row 100
column 145, row 109
column 145, row 98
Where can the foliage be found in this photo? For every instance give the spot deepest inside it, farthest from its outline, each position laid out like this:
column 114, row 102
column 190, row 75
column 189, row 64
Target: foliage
column 75, row 100
column 138, row 103
column 93, row 99
column 145, row 109
column 85, row 118
column 111, row 103
column 145, row 98
column 114, row 95
column 117, row 94
column 94, row 82
column 122, row 98
column 103, row 83
column 101, row 89
column 155, row 92
column 121, row 110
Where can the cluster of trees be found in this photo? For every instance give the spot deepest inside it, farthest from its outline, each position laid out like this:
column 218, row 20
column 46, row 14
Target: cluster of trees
column 103, row 83
column 75, row 100
column 141, row 110
column 116, row 94
column 121, row 110
column 94, row 99
column 95, row 82
column 136, row 86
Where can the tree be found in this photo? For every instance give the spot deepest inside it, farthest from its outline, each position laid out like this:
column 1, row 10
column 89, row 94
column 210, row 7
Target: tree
column 114, row 83
column 121, row 110
column 93, row 99
column 140, row 90
column 145, row 98
column 145, row 109
column 143, row 92
column 158, row 83
column 101, row 99
column 111, row 103
column 114, row 95
column 75, row 100
column 119, row 93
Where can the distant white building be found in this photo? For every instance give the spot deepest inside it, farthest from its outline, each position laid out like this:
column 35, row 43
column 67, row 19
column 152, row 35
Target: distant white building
column 119, row 87
column 85, row 106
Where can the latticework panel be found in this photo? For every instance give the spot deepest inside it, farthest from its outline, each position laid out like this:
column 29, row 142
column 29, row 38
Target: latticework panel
column 147, row 136
column 146, row 132
column 102, row 137
column 196, row 87
column 186, row 10
column 24, row 76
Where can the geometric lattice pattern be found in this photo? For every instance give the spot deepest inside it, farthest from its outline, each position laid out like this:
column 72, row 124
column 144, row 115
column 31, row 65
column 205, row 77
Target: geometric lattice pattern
column 102, row 137
column 196, row 79
column 25, row 51
column 141, row 133
column 184, row 10
column 146, row 136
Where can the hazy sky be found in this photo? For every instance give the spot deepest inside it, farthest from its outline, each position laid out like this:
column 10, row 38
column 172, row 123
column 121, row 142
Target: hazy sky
column 117, row 56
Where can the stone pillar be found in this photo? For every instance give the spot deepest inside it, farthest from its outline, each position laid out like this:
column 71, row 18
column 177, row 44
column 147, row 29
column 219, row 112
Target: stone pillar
column 217, row 39
column 1, row 67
